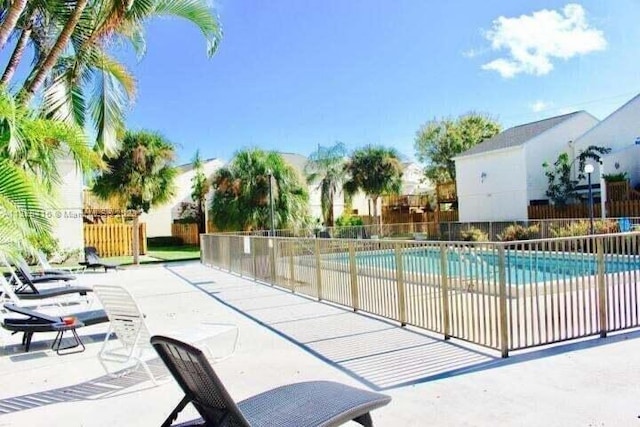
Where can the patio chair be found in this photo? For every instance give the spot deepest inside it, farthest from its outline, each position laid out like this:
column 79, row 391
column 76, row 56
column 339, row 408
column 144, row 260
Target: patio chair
column 24, row 271
column 128, row 325
column 35, row 322
column 313, row 403
column 28, row 293
column 47, row 268
column 92, row 260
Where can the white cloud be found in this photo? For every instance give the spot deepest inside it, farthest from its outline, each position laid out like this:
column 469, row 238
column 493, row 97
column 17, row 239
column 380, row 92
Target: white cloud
column 534, row 41
column 540, row 105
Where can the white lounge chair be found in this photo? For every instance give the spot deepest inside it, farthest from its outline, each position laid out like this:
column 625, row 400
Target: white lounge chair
column 128, row 325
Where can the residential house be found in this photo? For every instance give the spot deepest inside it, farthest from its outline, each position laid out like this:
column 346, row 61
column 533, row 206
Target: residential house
column 159, row 219
column 620, row 131
column 497, row 178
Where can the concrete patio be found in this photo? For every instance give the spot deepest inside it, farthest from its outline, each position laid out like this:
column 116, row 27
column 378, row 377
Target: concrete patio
column 285, row 338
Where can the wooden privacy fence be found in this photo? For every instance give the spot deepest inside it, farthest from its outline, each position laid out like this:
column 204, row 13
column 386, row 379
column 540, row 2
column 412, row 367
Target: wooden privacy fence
column 620, row 208
column 187, row 232
column 114, row 239
column 501, row 295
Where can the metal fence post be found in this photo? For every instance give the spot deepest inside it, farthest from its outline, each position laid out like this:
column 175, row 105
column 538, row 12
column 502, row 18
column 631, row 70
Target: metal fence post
column 272, row 241
column 402, row 304
column 292, row 273
column 602, row 288
column 444, row 292
column 502, row 295
column 318, row 269
column 353, row 268
column 254, row 255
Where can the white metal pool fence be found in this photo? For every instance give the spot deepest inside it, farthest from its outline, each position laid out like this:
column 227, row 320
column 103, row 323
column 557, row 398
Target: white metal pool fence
column 501, row 295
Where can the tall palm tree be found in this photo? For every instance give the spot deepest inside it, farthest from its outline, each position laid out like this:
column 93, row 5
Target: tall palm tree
column 81, row 81
column 10, row 20
column 141, row 176
column 200, row 186
column 242, row 201
column 376, row 171
column 325, row 168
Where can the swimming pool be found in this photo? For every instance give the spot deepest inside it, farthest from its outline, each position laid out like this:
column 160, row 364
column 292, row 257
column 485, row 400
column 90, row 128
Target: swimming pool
column 522, row 267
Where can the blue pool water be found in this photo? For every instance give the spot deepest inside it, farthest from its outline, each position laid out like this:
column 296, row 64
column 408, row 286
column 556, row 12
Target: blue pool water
column 522, row 267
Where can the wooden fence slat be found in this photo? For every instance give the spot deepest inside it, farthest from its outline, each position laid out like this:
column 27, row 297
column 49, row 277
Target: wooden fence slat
column 617, row 208
column 113, row 239
column 187, row 232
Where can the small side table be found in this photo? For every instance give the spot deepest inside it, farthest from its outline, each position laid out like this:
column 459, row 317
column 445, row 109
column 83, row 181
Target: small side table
column 61, row 328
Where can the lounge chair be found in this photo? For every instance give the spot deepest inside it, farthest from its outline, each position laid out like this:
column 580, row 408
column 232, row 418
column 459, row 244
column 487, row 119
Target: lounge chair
column 128, row 326
column 92, row 260
column 30, row 294
column 35, row 322
column 313, row 403
column 24, row 271
column 47, row 268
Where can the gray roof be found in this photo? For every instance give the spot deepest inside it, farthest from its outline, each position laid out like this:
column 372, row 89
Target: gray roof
column 518, row 135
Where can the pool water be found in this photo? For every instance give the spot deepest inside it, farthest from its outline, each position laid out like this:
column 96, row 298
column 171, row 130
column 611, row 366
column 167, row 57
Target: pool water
column 522, row 267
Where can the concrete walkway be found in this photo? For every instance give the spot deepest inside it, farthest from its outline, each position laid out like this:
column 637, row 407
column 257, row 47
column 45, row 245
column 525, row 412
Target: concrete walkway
column 285, row 338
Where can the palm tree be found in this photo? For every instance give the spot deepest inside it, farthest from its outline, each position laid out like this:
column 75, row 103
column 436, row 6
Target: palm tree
column 376, row 171
column 81, row 81
column 241, row 199
column 200, row 186
column 325, row 168
column 13, row 13
column 141, row 176
column 29, row 149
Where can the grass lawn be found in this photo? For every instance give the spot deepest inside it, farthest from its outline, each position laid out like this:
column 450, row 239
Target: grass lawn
column 161, row 254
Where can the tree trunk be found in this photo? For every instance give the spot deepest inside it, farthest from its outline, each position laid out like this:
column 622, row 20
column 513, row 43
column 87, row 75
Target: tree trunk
column 33, row 85
column 378, row 222
column 9, row 23
column 135, row 239
column 16, row 56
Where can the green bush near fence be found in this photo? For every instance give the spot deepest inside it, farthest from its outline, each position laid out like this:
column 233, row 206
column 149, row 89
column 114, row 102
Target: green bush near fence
column 473, row 234
column 519, row 232
column 582, row 228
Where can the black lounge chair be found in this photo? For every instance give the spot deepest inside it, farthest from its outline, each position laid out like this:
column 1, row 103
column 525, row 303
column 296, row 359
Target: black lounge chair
column 28, row 292
column 25, row 273
column 35, row 322
column 92, row 260
column 313, row 403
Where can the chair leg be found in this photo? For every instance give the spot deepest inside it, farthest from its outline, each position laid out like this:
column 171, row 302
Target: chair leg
column 365, row 420
column 26, row 341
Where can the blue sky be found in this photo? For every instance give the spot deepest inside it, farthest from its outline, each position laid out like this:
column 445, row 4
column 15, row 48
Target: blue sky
column 292, row 74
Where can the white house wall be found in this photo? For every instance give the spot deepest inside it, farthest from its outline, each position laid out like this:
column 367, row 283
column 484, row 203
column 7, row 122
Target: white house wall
column 624, row 160
column 492, row 186
column 617, row 131
column 159, row 219
column 67, row 219
column 547, row 146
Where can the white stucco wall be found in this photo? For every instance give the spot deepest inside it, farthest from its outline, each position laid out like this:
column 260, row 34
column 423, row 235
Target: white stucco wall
column 547, row 146
column 492, row 186
column 67, row 219
column 414, row 181
column 619, row 130
column 159, row 219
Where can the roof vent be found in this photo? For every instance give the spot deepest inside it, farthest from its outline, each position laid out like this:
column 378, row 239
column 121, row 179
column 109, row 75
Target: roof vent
column 637, row 140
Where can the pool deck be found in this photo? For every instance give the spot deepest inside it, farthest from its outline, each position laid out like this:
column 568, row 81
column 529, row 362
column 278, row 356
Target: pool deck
column 285, row 338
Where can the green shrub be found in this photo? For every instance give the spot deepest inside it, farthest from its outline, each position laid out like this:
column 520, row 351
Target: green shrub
column 164, row 241
column 615, row 177
column 473, row 234
column 45, row 243
column 519, row 232
column 582, row 228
